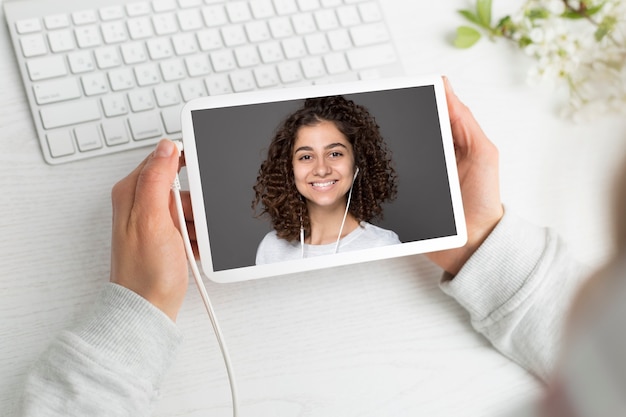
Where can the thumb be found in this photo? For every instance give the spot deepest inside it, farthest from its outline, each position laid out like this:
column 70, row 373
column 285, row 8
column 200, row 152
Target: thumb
column 156, row 177
column 467, row 134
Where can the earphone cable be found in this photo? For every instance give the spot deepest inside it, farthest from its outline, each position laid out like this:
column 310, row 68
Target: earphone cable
column 203, row 292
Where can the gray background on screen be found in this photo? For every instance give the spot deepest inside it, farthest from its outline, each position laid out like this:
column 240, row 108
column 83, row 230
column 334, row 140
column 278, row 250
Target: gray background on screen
column 232, row 143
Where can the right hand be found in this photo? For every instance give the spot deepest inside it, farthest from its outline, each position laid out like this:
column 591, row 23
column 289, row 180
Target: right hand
column 477, row 165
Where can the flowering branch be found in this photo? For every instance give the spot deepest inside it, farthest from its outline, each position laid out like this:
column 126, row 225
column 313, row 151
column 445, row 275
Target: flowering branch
column 578, row 43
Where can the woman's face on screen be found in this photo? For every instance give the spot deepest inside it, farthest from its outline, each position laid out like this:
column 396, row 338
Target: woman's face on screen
column 323, row 164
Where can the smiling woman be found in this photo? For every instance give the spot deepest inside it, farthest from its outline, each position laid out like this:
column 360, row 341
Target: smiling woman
column 327, row 173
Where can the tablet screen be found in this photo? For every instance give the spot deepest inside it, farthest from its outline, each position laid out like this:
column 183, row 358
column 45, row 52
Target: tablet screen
column 280, row 186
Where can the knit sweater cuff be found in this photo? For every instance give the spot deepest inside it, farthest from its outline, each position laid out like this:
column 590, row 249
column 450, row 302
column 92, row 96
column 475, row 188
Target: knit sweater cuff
column 131, row 333
column 499, row 269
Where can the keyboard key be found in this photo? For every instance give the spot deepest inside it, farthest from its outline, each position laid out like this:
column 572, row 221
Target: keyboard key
column 28, row 26
column 80, row 61
column 336, row 63
column 133, row 53
column 44, row 68
column 56, row 21
column 209, row 39
column 234, row 35
column 121, row 79
column 140, row 100
column 165, row 24
column 84, row 17
column 257, row 31
column 87, row 137
column 184, row 44
column 33, row 45
column 145, row 126
column 58, row 90
column 313, row 67
column 316, row 44
column 280, row 27
column 186, row 4
column 348, row 16
column 247, row 56
column 107, row 57
column 197, row 65
column 369, row 34
column 339, row 39
column 270, row 52
column 111, row 13
column 114, row 132
column 87, row 36
column 60, row 143
column 294, row 48
column 166, row 95
column 371, row 56
column 171, row 120
column 139, row 8
column 284, row 7
column 189, row 20
column 262, row 9
column 303, row 23
column 218, row 84
column 172, row 70
column 163, row 5
column 370, row 12
column 94, row 84
column 114, row 32
column 308, row 5
column 289, row 72
column 139, row 28
column 114, row 105
column 146, row 74
column 214, row 16
column 160, row 48
column 326, row 20
column 61, row 41
column 191, row 89
column 223, row 60
column 266, row 77
column 70, row 113
column 238, row 11
column 242, row 81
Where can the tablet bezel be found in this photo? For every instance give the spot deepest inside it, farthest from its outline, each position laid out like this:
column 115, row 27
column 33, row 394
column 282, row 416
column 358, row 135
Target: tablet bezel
column 328, row 261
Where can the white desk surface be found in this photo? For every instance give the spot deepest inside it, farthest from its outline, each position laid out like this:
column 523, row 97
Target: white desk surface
column 369, row 340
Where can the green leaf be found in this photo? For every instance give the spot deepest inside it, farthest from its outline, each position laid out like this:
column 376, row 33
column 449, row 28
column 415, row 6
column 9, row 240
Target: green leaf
column 466, row 37
column 572, row 14
column 537, row 13
column 483, row 10
column 469, row 15
column 606, row 26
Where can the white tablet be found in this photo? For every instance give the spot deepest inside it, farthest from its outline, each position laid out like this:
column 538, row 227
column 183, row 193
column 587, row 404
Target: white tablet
column 295, row 179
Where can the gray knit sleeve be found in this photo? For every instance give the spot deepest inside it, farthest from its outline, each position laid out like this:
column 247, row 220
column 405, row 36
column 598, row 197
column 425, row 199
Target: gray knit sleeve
column 518, row 287
column 110, row 364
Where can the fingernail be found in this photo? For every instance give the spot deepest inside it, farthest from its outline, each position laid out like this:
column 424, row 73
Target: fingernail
column 164, row 149
column 447, row 82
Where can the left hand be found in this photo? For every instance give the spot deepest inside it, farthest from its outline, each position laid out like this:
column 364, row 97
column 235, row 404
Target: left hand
column 147, row 251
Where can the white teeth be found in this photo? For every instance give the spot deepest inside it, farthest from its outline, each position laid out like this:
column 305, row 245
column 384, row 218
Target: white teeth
column 323, row 184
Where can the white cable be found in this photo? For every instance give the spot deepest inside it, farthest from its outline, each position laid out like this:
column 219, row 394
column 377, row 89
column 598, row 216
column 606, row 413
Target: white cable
column 343, row 222
column 203, row 292
column 345, row 213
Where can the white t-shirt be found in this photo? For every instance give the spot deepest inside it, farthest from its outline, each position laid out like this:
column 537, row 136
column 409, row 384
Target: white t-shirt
column 274, row 249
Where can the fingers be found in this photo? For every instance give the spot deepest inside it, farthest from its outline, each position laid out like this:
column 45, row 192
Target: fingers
column 467, row 133
column 154, row 180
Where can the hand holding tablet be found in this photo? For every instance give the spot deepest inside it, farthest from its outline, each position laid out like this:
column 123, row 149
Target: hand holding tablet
column 343, row 173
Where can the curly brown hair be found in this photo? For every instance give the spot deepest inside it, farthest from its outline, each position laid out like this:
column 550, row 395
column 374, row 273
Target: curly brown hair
column 376, row 183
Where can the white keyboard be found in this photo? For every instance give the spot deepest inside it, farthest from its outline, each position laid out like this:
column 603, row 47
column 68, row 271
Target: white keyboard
column 103, row 77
